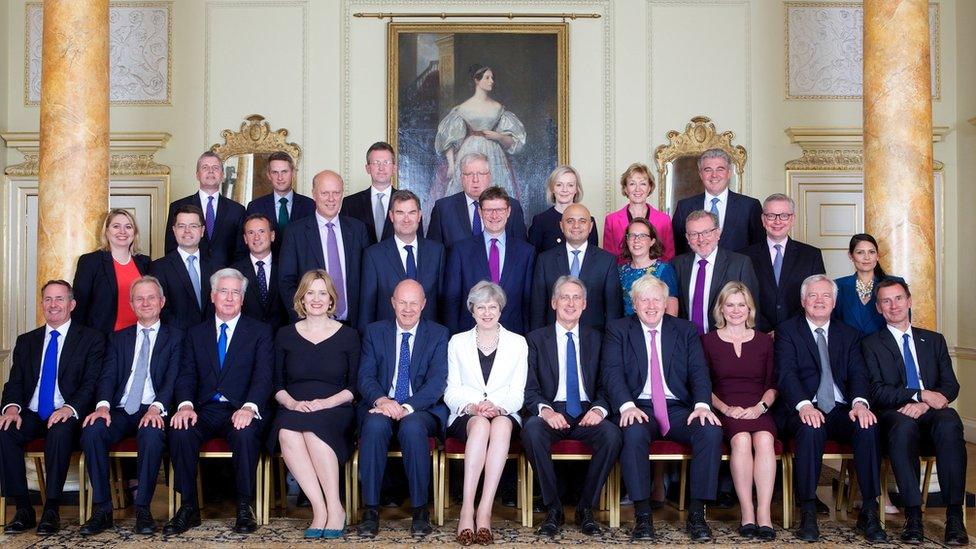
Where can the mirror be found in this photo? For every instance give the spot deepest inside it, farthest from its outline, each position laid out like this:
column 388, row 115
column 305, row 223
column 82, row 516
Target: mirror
column 245, row 156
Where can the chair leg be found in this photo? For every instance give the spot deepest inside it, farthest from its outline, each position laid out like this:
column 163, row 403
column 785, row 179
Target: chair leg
column 786, row 492
column 41, row 486
column 520, row 483
column 171, row 489
column 283, row 487
column 347, row 477
column 613, row 496
column 926, row 479
column 529, row 495
column 884, row 490
column 199, row 487
column 82, row 499
column 3, row 511
column 435, row 478
column 683, row 485
column 268, row 490
column 440, row 487
column 354, row 508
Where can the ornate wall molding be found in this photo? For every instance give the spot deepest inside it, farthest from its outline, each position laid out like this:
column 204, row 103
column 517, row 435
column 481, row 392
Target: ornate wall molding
column 131, row 153
column 964, row 353
column 837, row 148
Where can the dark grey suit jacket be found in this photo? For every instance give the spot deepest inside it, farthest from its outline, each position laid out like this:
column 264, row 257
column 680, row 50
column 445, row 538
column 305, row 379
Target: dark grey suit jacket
column 728, row 266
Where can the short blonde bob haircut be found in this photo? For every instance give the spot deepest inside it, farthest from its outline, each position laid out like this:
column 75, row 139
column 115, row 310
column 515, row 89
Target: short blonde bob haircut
column 307, row 279
column 636, row 169
column 112, row 214
column 729, row 290
column 558, row 172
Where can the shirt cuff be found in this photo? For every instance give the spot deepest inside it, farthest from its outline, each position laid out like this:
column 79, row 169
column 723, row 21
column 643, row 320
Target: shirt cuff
column 4, row 411
column 408, row 408
column 74, row 413
column 104, row 403
column 541, row 406
column 180, row 405
column 601, row 409
column 703, row 406
column 917, row 397
column 863, row 401
column 162, row 409
column 627, row 406
column 803, row 403
column 253, row 407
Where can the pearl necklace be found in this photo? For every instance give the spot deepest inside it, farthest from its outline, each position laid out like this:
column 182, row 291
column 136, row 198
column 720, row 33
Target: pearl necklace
column 487, row 347
column 863, row 289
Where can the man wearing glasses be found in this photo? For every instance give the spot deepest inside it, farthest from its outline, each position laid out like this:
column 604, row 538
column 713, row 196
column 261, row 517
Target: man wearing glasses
column 781, row 264
column 372, row 205
column 184, row 273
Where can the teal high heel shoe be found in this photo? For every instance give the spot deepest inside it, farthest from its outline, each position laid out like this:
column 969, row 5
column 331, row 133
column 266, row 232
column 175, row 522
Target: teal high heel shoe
column 329, row 533
column 313, row 533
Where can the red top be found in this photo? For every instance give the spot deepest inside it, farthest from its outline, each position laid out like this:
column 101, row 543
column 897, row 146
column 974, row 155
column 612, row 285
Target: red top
column 125, row 275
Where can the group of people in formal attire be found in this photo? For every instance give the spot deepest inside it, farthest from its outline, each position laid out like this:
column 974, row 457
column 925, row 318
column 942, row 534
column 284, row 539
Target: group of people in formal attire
column 316, row 326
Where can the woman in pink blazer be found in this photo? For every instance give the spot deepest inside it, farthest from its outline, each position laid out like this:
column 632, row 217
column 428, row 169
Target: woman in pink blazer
column 637, row 185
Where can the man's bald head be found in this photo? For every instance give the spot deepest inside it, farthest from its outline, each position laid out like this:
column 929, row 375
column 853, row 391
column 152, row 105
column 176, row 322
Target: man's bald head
column 408, row 303
column 576, row 224
column 327, row 192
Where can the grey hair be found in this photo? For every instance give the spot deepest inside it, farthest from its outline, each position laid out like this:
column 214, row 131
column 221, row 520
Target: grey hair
column 227, row 273
column 645, row 283
column 701, row 214
column 486, row 291
column 780, row 197
column 471, row 157
column 813, row 279
column 147, row 279
column 567, row 279
column 715, row 153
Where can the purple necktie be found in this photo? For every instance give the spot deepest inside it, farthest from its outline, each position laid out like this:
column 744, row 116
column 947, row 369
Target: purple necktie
column 698, row 300
column 334, row 268
column 494, row 262
column 210, row 217
column 658, row 401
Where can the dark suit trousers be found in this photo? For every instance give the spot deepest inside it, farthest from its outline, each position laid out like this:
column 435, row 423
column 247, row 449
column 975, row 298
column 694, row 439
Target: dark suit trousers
column 810, row 448
column 97, row 439
column 706, row 447
column 213, row 421
column 603, row 438
column 412, row 433
column 59, row 441
column 939, row 431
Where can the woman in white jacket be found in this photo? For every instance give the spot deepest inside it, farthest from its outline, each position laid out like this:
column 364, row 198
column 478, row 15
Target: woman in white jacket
column 487, row 366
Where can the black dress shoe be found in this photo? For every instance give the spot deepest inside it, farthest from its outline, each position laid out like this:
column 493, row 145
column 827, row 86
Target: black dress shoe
column 551, row 527
column 765, row 533
column 696, row 526
column 50, row 523
column 186, row 517
column 955, row 531
column 24, row 520
column 808, row 530
column 869, row 524
column 98, row 523
column 245, row 523
column 369, row 525
column 643, row 527
column 913, row 532
column 420, row 524
column 587, row 524
column 144, row 521
column 748, row 530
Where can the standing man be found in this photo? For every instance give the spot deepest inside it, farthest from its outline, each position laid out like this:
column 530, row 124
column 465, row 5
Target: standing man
column 283, row 205
column 327, row 241
column 781, row 264
column 405, row 256
column 371, row 205
column 222, row 389
column 185, row 273
column 912, row 384
column 824, row 385
column 595, row 267
column 223, row 217
column 738, row 215
column 457, row 217
column 51, row 383
column 134, row 393
column 262, row 301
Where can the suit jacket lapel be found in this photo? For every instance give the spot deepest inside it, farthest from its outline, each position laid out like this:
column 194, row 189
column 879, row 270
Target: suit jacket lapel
column 390, row 342
column 640, row 349
column 789, row 259
column 926, row 359
column 212, row 344
column 765, row 270
column 314, row 240
column 109, row 269
column 897, row 358
column 509, row 261
column 37, row 342
column 67, row 350
column 392, row 253
column 810, row 342
column 419, row 344
column 552, row 355
column 668, row 344
column 686, row 261
column 461, row 211
column 833, row 351
column 155, row 369
column 129, row 345
column 718, row 274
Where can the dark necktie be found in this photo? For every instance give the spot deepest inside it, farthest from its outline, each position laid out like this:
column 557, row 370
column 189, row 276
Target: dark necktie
column 475, row 220
column 401, row 391
column 698, row 299
column 411, row 262
column 494, row 262
column 573, row 406
column 911, row 374
column 210, row 217
column 262, row 284
column 282, row 212
column 49, row 378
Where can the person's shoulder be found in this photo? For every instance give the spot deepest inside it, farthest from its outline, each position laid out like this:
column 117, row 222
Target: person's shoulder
column 444, row 201
column 92, row 257
column 263, row 200
column 689, row 202
column 234, row 205
column 734, row 196
column 357, row 196
column 348, row 334
column 679, row 324
column 192, row 199
column 352, row 222
column 435, row 329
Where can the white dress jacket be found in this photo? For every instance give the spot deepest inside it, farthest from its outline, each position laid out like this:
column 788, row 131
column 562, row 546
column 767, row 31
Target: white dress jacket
column 506, row 383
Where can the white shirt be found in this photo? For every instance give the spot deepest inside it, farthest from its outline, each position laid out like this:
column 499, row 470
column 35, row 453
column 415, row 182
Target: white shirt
column 148, row 392
column 396, row 364
column 267, row 267
column 646, row 391
column 324, row 235
column 290, row 196
column 570, row 255
column 196, row 263
column 403, row 254
column 838, row 396
column 721, row 205
column 58, row 398
column 501, row 249
column 709, row 269
column 231, row 327
column 561, row 355
column 772, row 249
column 897, row 334
column 204, row 197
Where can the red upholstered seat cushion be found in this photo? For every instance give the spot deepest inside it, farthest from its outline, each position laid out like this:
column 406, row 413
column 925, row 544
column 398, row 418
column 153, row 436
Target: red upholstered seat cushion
column 570, row 446
column 127, row 445
column 830, row 447
column 663, row 447
column 36, row 445
column 215, row 445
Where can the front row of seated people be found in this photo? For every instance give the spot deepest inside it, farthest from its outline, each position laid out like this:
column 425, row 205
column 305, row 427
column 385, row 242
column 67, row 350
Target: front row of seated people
column 649, row 377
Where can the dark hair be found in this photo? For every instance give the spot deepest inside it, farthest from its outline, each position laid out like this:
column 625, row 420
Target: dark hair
column 879, row 273
column 494, row 193
column 889, row 282
column 403, row 195
column 380, row 146
column 657, row 249
column 59, row 282
column 189, row 209
column 283, row 157
column 477, row 71
column 254, row 216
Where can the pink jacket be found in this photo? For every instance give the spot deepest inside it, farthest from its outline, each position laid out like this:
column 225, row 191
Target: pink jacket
column 615, row 225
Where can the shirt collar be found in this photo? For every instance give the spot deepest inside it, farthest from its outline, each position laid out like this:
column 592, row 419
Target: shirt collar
column 770, row 242
column 898, row 334
column 723, row 197
column 561, row 332
column 62, row 329
column 400, row 244
column 500, row 237
column 322, row 220
column 231, row 324
column 813, row 327
column 373, row 191
column 254, row 260
column 204, row 196
column 290, row 195
column 646, row 327
column 185, row 254
column 582, row 248
column 412, row 331
column 710, row 258
column 154, row 327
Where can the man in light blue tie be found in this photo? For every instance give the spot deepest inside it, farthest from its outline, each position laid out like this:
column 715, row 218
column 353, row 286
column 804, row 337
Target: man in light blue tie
column 402, row 377
column 184, row 272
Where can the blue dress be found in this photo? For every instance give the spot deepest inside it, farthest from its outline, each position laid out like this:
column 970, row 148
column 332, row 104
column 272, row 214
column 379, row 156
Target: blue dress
column 864, row 317
column 660, row 269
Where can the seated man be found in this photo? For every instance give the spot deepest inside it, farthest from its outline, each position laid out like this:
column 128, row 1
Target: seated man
column 52, row 379
column 134, row 392
column 912, row 384
column 224, row 381
column 565, row 399
column 824, row 385
column 658, row 382
column 402, row 377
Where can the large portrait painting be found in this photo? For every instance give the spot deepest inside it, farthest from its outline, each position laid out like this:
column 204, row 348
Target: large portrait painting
column 499, row 90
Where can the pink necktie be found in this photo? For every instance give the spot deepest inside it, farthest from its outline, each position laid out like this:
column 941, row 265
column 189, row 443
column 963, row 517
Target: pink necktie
column 494, row 261
column 657, row 388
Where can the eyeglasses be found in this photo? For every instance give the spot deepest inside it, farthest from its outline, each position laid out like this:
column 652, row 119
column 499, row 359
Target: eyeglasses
column 563, row 298
column 779, row 216
column 474, row 174
column 224, row 292
column 701, row 234
column 380, row 163
column 185, row 226
column 493, row 211
column 638, row 237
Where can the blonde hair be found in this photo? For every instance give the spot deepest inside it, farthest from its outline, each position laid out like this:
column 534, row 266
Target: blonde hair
column 645, row 283
column 555, row 174
column 729, row 290
column 638, row 169
column 134, row 246
column 307, row 279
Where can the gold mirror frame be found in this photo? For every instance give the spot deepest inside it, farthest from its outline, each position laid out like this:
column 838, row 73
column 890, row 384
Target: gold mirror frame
column 254, row 137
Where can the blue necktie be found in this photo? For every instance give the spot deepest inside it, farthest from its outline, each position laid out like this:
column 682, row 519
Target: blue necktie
column 262, row 284
column 402, row 390
column 910, row 373
column 210, row 217
column 194, row 279
column 411, row 262
column 221, row 352
column 49, row 378
column 475, row 220
column 573, row 406
column 714, row 208
column 574, row 268
column 778, row 262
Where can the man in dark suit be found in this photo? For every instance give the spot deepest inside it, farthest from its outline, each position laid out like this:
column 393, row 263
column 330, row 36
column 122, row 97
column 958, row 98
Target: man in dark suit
column 51, row 383
column 185, row 272
column 823, row 384
column 262, row 301
column 565, row 399
column 326, row 240
column 703, row 271
column 405, row 256
column 221, row 242
column 493, row 255
column 134, row 393
column 657, row 379
column 594, row 266
column 456, row 217
column 912, row 384
column 781, row 264
column 283, row 205
column 402, row 377
column 222, row 390
column 371, row 205
column 738, row 215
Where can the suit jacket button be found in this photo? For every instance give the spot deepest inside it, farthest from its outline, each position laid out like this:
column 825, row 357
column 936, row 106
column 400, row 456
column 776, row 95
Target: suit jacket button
column 486, row 395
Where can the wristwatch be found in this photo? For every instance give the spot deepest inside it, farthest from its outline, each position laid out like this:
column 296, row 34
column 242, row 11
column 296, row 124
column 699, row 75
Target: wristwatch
column 764, row 406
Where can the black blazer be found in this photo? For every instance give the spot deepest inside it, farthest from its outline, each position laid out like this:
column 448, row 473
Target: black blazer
column 778, row 303
column 267, row 205
column 728, row 266
column 625, row 361
column 798, row 361
column 246, row 374
column 449, row 220
column 358, row 206
column 604, row 297
column 543, row 379
column 275, row 313
column 164, row 364
column 301, row 251
column 383, row 270
column 181, row 309
column 227, row 244
column 97, row 291
column 886, row 367
column 743, row 222
column 82, row 354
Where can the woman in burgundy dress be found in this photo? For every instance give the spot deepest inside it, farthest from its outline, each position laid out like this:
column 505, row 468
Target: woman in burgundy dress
column 740, row 360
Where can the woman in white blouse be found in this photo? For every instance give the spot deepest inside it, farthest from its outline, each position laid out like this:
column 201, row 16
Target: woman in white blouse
column 487, row 366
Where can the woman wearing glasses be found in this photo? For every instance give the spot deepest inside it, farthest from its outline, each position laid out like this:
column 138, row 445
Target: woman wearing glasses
column 641, row 252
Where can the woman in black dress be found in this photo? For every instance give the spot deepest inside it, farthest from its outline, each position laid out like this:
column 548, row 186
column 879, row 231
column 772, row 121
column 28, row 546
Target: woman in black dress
column 316, row 365
column 562, row 189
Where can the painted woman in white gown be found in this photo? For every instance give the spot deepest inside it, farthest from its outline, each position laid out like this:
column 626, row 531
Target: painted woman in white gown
column 481, row 124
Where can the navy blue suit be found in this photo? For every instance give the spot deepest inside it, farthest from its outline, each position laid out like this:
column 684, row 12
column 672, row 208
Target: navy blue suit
column 729, row 266
column 98, row 438
column 428, row 379
column 97, row 291
column 245, row 377
column 383, row 270
column 467, row 264
column 778, row 302
column 227, row 243
column 267, row 205
column 598, row 271
column 743, row 222
column 359, row 207
column 798, row 368
column 274, row 312
column 181, row 309
column 449, row 220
